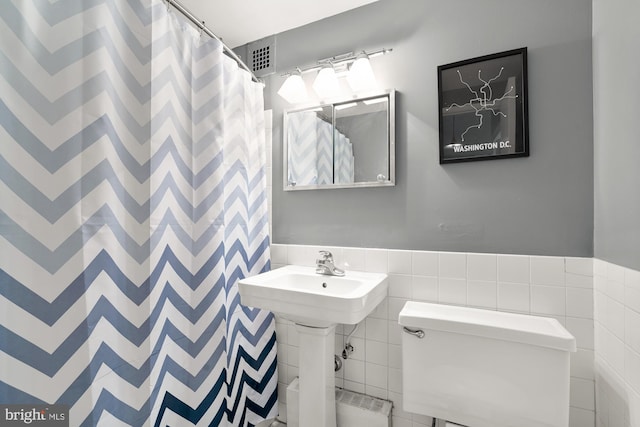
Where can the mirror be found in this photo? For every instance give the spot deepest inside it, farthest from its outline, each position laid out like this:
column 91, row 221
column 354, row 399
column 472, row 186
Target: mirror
column 341, row 145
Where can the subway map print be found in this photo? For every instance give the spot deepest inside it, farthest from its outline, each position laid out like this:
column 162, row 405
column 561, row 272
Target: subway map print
column 483, row 107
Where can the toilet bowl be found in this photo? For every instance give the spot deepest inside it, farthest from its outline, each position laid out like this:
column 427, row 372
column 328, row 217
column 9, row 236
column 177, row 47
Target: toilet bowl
column 482, row 368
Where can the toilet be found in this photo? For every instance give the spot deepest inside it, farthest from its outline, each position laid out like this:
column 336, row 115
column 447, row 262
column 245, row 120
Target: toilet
column 482, row 368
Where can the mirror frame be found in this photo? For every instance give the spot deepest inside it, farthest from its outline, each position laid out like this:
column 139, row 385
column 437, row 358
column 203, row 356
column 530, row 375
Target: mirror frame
column 391, row 128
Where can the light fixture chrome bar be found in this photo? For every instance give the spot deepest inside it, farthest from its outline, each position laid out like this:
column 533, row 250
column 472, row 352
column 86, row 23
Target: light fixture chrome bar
column 200, row 24
column 338, row 59
column 345, row 58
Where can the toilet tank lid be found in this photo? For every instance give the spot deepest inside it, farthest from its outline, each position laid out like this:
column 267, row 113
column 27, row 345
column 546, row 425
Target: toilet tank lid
column 522, row 328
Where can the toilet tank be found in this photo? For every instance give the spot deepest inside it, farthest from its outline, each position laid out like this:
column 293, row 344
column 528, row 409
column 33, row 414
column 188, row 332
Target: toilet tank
column 483, row 368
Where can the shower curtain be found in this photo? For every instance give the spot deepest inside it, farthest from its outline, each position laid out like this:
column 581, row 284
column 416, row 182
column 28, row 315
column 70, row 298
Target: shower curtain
column 132, row 200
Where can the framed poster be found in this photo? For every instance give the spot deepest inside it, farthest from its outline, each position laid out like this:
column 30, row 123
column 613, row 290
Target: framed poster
column 482, row 104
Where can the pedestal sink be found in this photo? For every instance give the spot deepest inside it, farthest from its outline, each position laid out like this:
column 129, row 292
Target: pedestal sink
column 316, row 304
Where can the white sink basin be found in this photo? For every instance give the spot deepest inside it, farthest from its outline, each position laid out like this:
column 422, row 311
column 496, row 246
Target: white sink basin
column 301, row 295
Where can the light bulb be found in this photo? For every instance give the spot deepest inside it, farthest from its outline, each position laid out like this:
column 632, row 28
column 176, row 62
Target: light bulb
column 326, row 83
column 361, row 75
column 293, row 90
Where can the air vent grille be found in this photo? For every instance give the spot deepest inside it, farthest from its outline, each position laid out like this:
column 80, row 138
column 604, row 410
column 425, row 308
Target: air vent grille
column 261, row 58
column 262, row 54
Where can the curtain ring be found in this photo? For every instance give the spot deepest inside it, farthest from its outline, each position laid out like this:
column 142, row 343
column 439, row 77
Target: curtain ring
column 202, row 29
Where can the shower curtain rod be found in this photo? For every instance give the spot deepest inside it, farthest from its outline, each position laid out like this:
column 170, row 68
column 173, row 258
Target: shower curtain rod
column 207, row 31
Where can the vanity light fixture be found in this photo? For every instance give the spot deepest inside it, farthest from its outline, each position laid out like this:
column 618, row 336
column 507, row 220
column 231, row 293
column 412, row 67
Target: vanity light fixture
column 359, row 75
column 293, row 90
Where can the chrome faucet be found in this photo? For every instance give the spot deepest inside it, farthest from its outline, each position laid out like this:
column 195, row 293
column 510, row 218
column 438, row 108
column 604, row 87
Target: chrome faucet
column 325, row 265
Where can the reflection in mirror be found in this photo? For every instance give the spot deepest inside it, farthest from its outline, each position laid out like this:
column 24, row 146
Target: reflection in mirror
column 310, row 154
column 366, row 124
column 340, row 145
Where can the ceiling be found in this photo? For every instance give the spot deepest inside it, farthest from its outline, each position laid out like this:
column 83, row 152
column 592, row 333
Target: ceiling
column 238, row 22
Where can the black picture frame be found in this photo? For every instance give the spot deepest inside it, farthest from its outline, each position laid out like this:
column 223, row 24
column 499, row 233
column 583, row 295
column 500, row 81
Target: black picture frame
column 482, row 108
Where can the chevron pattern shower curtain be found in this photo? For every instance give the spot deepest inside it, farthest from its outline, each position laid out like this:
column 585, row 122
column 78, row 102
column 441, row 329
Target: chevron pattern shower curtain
column 132, row 199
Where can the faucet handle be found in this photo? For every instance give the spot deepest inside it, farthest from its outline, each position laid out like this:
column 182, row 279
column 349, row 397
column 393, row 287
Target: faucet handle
column 326, row 255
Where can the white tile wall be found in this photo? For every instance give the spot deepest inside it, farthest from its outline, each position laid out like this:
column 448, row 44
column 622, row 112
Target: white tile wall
column 617, row 345
column 399, row 262
column 482, row 294
column 514, row 297
column 482, row 267
column 514, row 269
column 552, row 286
column 547, row 270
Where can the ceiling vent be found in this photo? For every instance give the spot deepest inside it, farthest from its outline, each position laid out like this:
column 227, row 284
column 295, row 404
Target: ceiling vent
column 262, row 56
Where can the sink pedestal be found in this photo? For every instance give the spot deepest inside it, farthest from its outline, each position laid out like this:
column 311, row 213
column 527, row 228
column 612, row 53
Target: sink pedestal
column 317, row 397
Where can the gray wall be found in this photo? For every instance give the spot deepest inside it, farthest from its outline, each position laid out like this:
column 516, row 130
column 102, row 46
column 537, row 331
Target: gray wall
column 616, row 78
column 542, row 204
